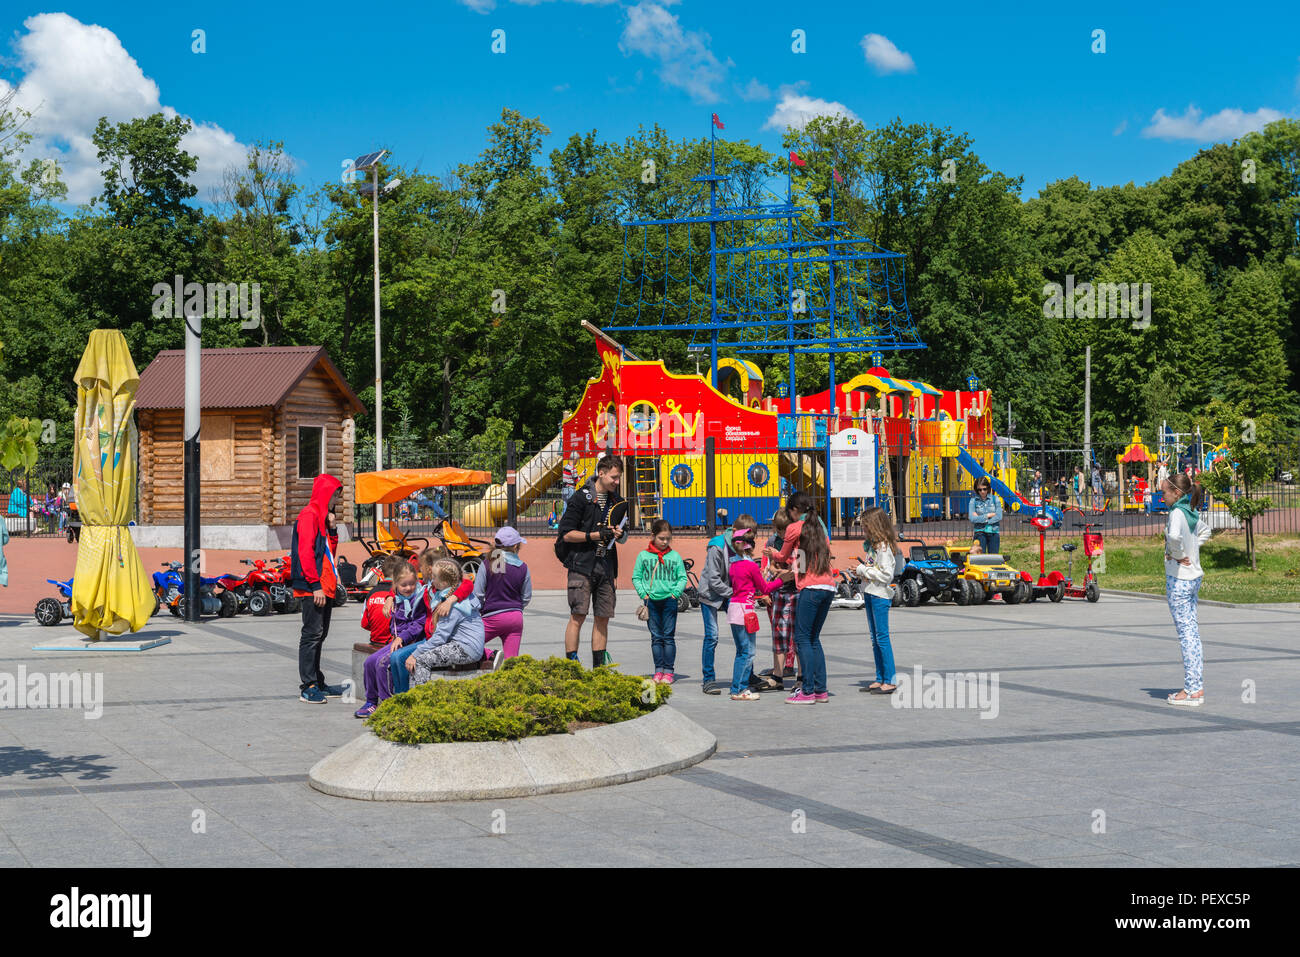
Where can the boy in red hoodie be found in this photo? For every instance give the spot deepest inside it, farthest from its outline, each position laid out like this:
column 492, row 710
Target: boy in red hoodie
column 314, row 579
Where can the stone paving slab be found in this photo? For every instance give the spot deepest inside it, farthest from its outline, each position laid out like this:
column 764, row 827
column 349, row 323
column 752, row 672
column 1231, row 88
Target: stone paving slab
column 211, row 723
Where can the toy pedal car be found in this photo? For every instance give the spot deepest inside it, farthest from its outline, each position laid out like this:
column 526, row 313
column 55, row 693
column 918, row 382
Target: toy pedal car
column 990, row 573
column 931, row 573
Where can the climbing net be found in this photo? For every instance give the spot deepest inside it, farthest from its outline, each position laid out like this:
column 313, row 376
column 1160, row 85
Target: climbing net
column 785, row 280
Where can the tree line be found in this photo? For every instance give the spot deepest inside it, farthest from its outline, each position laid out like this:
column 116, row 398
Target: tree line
column 489, row 267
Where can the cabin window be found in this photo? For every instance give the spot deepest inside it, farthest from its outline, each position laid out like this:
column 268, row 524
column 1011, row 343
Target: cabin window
column 311, row 451
column 217, row 442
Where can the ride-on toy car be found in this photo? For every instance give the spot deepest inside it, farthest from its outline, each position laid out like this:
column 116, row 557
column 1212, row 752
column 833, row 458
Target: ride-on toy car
column 931, row 573
column 51, row 611
column 990, row 573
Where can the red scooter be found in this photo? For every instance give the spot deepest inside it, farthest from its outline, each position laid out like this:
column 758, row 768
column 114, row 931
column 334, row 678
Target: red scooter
column 1056, row 586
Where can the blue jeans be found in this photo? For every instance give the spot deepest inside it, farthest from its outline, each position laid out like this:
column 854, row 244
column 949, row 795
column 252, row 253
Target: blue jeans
column 878, row 623
column 743, row 669
column 663, row 631
column 397, row 667
column 989, row 541
column 710, row 640
column 809, row 616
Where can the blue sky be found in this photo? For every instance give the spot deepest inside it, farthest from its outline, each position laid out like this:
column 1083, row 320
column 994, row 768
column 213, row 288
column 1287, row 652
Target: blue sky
column 331, row 81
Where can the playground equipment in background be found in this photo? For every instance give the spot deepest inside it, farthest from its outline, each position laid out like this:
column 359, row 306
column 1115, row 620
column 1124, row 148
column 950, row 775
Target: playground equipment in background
column 1012, row 501
column 658, row 421
column 1135, row 455
column 533, row 478
column 991, row 575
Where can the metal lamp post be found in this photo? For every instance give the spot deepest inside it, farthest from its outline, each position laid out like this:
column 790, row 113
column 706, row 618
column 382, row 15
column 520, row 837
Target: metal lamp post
column 370, row 161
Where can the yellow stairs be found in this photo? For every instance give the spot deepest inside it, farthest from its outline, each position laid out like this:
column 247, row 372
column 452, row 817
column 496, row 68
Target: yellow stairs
column 646, row 469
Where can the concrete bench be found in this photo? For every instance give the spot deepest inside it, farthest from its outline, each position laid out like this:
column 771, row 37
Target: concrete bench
column 364, row 649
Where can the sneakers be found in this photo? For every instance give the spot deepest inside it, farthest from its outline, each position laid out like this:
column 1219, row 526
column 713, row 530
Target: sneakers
column 667, row 677
column 712, row 687
column 745, row 696
column 365, row 711
column 497, row 658
column 331, row 691
column 823, row 698
column 658, row 677
column 312, row 695
column 800, row 698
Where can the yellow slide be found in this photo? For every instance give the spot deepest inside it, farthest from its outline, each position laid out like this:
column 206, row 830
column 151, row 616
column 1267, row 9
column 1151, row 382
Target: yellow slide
column 536, row 476
column 812, row 474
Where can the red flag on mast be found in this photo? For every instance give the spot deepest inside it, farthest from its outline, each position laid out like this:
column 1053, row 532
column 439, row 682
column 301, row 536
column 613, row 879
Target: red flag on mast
column 838, row 177
column 717, row 122
column 794, row 158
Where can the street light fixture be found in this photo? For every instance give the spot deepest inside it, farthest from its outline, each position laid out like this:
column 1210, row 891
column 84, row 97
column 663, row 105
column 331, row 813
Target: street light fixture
column 370, row 161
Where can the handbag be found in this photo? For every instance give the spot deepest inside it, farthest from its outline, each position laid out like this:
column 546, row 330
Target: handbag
column 751, row 621
column 643, row 612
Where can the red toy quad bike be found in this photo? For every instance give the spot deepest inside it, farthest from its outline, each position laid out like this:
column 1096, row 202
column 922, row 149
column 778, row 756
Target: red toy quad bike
column 267, row 587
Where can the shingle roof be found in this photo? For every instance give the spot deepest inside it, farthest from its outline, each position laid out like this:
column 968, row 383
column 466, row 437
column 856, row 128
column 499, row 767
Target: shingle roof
column 245, row 378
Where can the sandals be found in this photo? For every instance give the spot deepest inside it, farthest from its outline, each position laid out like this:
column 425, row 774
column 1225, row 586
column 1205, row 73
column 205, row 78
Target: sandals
column 745, row 696
column 882, row 690
column 872, row 688
column 1187, row 700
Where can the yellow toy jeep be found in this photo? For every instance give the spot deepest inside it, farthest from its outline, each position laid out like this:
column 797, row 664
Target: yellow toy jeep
column 989, row 575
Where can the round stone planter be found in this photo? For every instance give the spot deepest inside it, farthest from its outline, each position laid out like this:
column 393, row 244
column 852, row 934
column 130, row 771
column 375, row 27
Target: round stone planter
column 370, row 769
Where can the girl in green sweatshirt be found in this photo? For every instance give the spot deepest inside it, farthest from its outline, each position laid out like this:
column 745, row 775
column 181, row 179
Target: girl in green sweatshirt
column 659, row 577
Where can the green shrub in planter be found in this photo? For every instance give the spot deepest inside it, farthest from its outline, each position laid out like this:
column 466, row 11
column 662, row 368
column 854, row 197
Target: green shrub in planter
column 525, row 697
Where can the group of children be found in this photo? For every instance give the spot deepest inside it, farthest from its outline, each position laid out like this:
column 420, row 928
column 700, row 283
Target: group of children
column 793, row 581
column 429, row 617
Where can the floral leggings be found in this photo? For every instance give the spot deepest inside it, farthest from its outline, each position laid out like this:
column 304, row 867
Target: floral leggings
column 1182, row 605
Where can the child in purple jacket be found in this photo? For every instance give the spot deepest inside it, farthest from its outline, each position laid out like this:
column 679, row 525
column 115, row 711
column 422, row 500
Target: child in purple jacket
column 407, row 616
column 504, row 586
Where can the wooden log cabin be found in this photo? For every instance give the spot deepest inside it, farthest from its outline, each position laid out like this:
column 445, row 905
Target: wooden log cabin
column 273, row 419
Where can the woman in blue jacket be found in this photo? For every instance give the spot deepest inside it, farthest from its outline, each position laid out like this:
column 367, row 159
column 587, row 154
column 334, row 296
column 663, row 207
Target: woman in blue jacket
column 986, row 516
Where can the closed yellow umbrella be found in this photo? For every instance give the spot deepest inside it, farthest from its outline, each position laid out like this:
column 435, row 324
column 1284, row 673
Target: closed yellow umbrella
column 111, row 592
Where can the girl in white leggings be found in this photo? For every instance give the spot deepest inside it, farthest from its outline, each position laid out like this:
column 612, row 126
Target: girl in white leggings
column 1184, row 536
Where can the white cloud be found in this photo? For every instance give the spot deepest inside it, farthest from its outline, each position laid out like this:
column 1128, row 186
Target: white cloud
column 1227, row 124
column 794, row 111
column 684, row 56
column 72, row 74
column 754, row 91
column 1123, row 125
column 884, row 56
column 480, row 6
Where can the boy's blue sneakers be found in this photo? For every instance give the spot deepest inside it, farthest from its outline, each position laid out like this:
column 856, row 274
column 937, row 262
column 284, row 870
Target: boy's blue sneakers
column 312, row 695
column 331, row 691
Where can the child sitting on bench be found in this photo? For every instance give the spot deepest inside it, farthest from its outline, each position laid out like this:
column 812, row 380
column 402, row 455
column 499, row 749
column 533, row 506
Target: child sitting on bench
column 457, row 639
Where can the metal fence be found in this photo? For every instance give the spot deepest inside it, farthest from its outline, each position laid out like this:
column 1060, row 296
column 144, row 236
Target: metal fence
column 926, row 489
column 33, row 500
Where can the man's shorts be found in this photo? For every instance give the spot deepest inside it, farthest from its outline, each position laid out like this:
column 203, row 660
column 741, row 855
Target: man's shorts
column 584, row 596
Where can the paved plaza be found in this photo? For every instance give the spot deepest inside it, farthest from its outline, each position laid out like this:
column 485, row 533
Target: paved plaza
column 202, row 751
